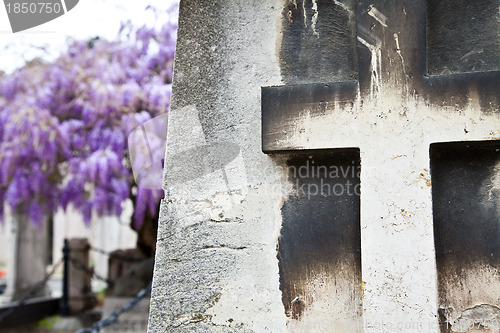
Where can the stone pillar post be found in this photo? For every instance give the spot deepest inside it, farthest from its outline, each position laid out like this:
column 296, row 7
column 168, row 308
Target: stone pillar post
column 80, row 290
column 28, row 257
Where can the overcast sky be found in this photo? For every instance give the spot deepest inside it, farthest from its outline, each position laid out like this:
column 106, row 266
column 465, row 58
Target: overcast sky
column 89, row 18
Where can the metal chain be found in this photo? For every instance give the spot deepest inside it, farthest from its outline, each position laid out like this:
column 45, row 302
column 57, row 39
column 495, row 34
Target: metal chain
column 115, row 315
column 116, row 255
column 78, row 264
column 30, row 293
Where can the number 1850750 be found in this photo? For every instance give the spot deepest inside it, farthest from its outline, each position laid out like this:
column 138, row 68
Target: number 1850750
column 34, row 7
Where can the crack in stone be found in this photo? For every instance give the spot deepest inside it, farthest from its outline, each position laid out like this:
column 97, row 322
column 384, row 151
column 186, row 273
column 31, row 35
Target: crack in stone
column 223, row 246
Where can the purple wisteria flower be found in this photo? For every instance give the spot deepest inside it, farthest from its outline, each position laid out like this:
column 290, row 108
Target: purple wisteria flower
column 64, row 125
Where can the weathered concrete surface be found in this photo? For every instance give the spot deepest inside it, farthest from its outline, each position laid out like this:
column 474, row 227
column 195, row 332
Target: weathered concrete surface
column 216, row 268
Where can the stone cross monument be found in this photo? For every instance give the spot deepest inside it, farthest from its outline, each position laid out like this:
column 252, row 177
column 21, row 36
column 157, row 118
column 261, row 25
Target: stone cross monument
column 332, row 166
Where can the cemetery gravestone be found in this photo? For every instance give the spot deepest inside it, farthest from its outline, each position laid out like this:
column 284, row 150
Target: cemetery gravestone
column 293, row 115
column 336, row 75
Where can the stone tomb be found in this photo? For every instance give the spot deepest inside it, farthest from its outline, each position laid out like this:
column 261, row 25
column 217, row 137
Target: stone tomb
column 406, row 93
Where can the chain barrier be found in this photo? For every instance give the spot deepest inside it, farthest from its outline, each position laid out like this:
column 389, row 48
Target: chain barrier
column 123, row 257
column 80, row 265
column 115, row 315
column 30, row 293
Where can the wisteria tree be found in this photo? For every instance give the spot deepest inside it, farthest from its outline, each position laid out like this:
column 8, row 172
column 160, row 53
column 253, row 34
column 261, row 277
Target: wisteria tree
column 64, row 125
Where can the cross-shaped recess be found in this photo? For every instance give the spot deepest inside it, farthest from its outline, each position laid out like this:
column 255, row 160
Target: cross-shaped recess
column 393, row 112
column 466, row 209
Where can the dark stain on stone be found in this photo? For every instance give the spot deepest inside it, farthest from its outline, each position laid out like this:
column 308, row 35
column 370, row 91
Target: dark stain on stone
column 282, row 106
column 457, row 90
column 431, row 40
column 319, row 41
column 297, row 308
column 462, row 39
column 320, row 233
column 463, row 36
column 466, row 209
column 439, row 40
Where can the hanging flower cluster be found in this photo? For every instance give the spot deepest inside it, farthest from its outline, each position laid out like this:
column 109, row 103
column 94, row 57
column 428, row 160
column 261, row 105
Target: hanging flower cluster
column 64, row 125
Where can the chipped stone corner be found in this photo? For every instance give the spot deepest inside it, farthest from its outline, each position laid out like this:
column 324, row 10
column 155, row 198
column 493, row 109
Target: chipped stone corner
column 479, row 318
